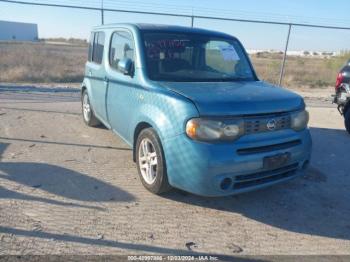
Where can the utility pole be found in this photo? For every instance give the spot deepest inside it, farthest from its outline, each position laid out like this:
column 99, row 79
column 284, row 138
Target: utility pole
column 192, row 19
column 284, row 56
column 102, row 14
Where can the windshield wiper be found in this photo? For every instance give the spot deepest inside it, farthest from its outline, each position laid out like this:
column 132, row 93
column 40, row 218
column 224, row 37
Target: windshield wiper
column 243, row 79
column 231, row 79
column 189, row 79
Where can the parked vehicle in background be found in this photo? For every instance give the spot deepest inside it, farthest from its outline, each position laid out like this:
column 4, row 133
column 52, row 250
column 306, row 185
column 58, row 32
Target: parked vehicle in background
column 342, row 94
column 343, row 76
column 190, row 105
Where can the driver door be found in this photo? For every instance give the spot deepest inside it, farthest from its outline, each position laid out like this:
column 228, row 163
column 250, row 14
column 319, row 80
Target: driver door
column 121, row 88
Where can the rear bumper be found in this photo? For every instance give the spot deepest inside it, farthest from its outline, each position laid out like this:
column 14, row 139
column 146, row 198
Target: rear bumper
column 231, row 168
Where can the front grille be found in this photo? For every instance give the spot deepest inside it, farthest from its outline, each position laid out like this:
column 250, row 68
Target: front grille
column 260, row 124
column 244, row 181
column 269, row 148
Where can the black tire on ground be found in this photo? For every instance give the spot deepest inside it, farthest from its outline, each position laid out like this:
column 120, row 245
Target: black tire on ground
column 88, row 117
column 160, row 184
column 347, row 120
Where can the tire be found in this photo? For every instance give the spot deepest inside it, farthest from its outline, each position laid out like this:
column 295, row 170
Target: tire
column 152, row 172
column 88, row 114
column 347, row 120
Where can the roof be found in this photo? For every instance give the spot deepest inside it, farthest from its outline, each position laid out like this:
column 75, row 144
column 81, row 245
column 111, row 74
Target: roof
column 165, row 28
column 17, row 23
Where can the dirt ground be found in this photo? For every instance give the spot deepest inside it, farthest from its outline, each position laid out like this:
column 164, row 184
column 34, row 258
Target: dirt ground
column 69, row 189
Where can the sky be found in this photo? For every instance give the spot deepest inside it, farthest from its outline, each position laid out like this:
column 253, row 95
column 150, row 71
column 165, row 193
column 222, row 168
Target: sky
column 66, row 22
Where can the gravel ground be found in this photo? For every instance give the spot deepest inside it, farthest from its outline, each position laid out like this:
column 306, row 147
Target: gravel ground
column 69, row 189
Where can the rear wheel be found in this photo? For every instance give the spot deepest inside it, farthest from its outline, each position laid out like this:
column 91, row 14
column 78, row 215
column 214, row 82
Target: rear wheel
column 88, row 114
column 150, row 162
column 347, row 120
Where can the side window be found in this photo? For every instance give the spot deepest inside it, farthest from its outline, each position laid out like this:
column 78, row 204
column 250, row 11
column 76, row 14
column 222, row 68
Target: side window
column 91, row 44
column 217, row 59
column 122, row 46
column 97, row 53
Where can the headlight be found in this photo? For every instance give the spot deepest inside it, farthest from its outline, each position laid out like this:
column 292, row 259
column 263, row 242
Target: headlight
column 214, row 130
column 299, row 120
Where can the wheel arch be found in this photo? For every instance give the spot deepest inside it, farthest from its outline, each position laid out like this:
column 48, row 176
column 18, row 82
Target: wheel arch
column 83, row 88
column 140, row 126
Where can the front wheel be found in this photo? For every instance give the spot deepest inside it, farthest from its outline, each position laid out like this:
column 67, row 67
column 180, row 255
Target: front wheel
column 151, row 162
column 347, row 120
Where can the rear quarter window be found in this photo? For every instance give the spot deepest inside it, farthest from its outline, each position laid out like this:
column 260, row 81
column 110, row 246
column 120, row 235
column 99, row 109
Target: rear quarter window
column 98, row 47
column 91, row 44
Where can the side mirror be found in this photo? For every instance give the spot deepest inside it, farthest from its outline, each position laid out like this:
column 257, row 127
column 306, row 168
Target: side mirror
column 125, row 66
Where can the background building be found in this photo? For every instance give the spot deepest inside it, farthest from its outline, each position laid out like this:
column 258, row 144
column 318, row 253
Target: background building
column 15, row 31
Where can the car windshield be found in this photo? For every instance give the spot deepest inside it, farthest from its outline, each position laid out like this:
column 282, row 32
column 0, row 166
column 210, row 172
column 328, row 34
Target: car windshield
column 178, row 57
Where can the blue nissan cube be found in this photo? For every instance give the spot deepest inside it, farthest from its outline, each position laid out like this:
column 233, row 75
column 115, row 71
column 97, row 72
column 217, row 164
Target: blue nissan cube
column 189, row 104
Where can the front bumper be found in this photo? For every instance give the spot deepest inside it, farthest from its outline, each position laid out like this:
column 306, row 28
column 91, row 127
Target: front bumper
column 230, row 168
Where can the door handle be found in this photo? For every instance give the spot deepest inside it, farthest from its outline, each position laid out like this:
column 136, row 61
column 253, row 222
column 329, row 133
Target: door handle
column 106, row 80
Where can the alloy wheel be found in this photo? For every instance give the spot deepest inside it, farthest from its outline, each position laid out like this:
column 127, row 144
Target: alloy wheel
column 148, row 161
column 86, row 108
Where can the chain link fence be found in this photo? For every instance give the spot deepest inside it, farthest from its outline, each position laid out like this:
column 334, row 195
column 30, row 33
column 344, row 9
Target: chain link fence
column 308, row 69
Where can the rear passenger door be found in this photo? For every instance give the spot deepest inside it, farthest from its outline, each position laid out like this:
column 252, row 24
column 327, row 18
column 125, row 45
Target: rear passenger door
column 96, row 73
column 121, row 91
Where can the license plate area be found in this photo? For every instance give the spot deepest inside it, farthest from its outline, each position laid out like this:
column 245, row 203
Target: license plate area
column 276, row 161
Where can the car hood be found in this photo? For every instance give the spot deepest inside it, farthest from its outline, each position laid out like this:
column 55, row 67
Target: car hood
column 237, row 98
